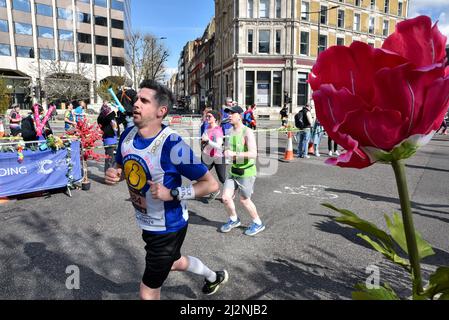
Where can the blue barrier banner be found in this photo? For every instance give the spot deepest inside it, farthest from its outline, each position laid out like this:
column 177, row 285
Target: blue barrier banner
column 39, row 171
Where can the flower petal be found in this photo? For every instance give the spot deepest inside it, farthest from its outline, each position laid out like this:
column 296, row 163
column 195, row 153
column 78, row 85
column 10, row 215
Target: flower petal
column 404, row 89
column 416, row 40
column 350, row 159
column 355, row 69
column 434, row 109
column 378, row 128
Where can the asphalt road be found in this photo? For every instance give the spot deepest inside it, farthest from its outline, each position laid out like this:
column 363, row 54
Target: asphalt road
column 302, row 254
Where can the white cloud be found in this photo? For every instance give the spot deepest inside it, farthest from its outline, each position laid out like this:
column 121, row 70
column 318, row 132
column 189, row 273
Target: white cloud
column 438, row 10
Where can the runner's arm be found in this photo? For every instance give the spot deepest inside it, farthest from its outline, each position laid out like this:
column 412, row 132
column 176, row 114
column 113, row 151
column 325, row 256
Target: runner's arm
column 251, row 154
column 218, row 145
column 114, row 175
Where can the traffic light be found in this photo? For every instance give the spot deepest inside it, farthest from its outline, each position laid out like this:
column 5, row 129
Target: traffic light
column 33, row 91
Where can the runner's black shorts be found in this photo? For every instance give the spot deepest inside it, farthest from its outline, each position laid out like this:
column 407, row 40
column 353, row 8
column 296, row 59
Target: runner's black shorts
column 162, row 251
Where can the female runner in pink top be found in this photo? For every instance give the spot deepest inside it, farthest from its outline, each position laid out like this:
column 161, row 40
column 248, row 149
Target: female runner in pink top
column 212, row 146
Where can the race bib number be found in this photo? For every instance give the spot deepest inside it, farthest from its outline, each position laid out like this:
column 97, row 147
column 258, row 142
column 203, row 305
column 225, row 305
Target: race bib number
column 139, row 201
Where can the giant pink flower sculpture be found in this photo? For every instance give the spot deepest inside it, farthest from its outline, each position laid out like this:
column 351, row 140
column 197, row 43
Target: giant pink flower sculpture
column 382, row 104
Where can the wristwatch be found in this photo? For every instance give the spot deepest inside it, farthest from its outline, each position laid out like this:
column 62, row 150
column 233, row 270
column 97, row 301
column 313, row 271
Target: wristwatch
column 174, row 193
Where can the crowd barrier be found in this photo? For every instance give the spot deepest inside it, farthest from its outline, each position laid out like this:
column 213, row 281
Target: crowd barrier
column 39, row 170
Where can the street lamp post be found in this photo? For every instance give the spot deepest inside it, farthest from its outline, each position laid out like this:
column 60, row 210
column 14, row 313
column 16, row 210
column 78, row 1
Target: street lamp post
column 222, row 56
column 319, row 24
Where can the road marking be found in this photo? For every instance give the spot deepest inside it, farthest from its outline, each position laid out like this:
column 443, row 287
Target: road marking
column 312, row 191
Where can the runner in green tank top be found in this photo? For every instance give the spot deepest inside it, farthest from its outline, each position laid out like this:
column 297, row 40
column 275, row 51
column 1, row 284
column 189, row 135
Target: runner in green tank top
column 242, row 149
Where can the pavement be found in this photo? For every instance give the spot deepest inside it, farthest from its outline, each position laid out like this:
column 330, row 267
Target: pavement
column 302, row 255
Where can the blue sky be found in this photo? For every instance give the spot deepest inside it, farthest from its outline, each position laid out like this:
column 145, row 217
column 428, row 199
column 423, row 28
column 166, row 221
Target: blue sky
column 177, row 20
column 184, row 20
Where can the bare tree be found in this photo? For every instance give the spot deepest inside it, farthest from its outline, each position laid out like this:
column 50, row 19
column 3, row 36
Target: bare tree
column 147, row 56
column 134, row 49
column 4, row 97
column 61, row 82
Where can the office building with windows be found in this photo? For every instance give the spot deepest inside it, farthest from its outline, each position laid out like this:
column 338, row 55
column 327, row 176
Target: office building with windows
column 265, row 49
column 70, row 36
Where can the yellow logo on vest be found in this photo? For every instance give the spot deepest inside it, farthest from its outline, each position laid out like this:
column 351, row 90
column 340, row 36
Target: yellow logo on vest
column 135, row 175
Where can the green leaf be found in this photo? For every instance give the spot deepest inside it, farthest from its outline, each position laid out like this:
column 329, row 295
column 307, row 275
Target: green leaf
column 381, row 293
column 396, row 228
column 388, row 252
column 351, row 219
column 439, row 283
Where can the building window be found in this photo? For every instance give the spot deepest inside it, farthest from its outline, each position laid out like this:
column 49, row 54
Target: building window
column 102, row 41
column 371, row 25
column 304, row 48
column 101, row 3
column 386, row 26
column 278, row 41
column 264, row 41
column 278, row 9
column 47, row 54
column 117, row 5
column 83, row 17
column 357, row 22
column 2, row 4
column 21, row 5
column 66, row 56
column 263, row 88
column 357, row 3
column 304, row 11
column 64, row 14
column 340, row 41
column 117, row 24
column 24, row 52
column 4, row 26
column 5, row 49
column 101, row 21
column 400, row 7
column 323, row 15
column 277, row 88
column 85, row 58
column 249, row 85
column 303, row 89
column 84, row 38
column 322, row 43
column 250, row 41
column 84, row 1
column 387, row 6
column 341, row 19
column 264, row 9
column 250, row 8
column 45, row 32
column 65, row 35
column 44, row 10
column 118, row 61
column 102, row 59
column 118, row 43
column 373, row 4
column 23, row 28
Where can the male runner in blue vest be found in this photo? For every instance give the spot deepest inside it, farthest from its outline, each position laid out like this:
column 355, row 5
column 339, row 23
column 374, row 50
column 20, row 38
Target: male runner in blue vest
column 152, row 158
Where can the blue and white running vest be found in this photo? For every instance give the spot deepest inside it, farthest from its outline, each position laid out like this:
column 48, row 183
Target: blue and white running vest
column 139, row 167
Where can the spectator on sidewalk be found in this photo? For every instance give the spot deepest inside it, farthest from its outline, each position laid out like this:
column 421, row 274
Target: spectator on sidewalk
column 329, row 147
column 108, row 124
column 15, row 120
column 284, row 116
column 317, row 134
column 304, row 122
column 69, row 120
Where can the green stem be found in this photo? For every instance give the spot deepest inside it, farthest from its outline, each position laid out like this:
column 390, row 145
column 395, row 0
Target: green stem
column 407, row 217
